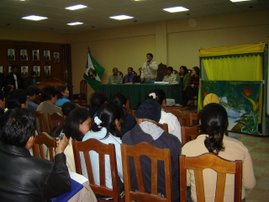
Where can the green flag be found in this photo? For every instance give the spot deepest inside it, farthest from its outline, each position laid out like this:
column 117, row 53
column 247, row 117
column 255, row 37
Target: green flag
column 93, row 72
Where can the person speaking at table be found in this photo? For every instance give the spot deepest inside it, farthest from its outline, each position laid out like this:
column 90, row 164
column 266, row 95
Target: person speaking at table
column 149, row 70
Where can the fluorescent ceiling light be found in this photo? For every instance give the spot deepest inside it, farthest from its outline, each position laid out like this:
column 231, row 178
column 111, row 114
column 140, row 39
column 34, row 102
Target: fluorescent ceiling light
column 74, row 23
column 175, row 9
column 75, row 7
column 34, row 18
column 121, row 17
column 235, row 1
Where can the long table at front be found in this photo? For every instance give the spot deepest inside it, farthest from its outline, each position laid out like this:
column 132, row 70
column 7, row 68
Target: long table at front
column 136, row 93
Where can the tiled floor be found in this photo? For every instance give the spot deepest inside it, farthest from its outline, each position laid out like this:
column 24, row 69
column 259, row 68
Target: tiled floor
column 259, row 149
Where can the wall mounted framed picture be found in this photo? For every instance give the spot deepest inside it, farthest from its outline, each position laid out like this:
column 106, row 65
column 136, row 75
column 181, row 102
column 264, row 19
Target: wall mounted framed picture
column 11, row 54
column 47, row 70
column 35, row 55
column 23, row 55
column 56, row 57
column 1, row 69
column 46, row 55
column 24, row 71
column 9, row 69
column 36, row 71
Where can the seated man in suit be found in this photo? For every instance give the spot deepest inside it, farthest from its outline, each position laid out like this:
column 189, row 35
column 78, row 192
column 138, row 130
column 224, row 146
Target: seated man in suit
column 23, row 177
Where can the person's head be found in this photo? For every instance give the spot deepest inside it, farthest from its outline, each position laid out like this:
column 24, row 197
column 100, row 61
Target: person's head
column 16, row 99
column 149, row 57
column 183, row 70
column 119, row 99
column 195, row 70
column 96, row 101
column 67, row 107
column 17, row 128
column 108, row 116
column 130, row 70
column 169, row 70
column 115, row 71
column 150, row 109
column 214, row 123
column 32, row 92
column 49, row 93
column 63, row 91
column 77, row 123
column 158, row 95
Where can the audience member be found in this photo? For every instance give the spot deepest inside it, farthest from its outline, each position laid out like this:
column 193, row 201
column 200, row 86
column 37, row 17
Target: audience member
column 170, row 76
column 32, row 93
column 130, row 76
column 16, row 99
column 146, row 130
column 13, row 79
column 76, row 125
column 193, row 88
column 149, row 69
column 214, row 139
column 63, row 95
column 184, row 79
column 24, row 177
column 128, row 120
column 170, row 119
column 115, row 78
column 68, row 107
column 106, row 128
column 96, row 101
column 49, row 96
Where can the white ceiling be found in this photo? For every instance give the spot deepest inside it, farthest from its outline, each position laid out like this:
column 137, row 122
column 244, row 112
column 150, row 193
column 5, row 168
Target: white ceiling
column 96, row 15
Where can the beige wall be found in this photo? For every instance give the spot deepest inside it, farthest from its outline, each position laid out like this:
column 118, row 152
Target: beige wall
column 174, row 43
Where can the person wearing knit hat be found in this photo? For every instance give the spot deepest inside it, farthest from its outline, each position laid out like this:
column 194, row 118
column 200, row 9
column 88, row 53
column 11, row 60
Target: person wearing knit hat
column 148, row 115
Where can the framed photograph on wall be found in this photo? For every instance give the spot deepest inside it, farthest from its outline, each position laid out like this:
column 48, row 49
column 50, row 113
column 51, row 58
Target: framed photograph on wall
column 23, row 55
column 11, row 54
column 46, row 54
column 24, row 71
column 56, row 57
column 47, row 70
column 35, row 55
column 36, row 71
column 1, row 69
column 9, row 69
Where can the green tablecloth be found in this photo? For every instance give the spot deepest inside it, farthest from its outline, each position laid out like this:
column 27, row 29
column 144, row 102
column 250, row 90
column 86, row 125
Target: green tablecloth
column 136, row 93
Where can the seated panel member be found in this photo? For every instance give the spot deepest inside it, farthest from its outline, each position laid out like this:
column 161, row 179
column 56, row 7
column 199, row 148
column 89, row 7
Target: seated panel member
column 24, row 177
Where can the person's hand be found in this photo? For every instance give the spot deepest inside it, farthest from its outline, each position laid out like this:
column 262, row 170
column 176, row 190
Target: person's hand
column 62, row 145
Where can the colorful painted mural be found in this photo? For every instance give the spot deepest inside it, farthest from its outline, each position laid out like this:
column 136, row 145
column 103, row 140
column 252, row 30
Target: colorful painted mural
column 240, row 99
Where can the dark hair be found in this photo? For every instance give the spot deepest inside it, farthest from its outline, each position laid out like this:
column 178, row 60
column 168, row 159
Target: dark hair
column 96, row 101
column 48, row 92
column 119, row 99
column 68, row 107
column 17, row 126
column 150, row 54
column 197, row 70
column 32, row 90
column 160, row 95
column 60, row 90
column 108, row 113
column 16, row 98
column 170, row 68
column 185, row 69
column 214, row 123
column 72, row 122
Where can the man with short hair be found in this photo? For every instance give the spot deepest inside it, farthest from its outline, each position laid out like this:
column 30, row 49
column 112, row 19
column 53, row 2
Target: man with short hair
column 115, row 78
column 149, row 69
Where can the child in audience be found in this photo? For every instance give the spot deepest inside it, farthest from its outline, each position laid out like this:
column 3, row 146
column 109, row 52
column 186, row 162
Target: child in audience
column 63, row 95
column 214, row 139
column 106, row 128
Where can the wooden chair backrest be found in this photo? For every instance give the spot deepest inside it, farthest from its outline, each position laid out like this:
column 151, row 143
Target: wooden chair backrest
column 44, row 146
column 155, row 155
column 102, row 150
column 182, row 116
column 42, row 122
column 55, row 120
column 164, row 126
column 218, row 164
column 189, row 133
column 194, row 118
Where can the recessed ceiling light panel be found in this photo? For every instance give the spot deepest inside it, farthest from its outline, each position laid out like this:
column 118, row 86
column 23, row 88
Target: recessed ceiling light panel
column 75, row 7
column 175, row 9
column 74, row 23
column 236, row 1
column 121, row 17
column 34, row 18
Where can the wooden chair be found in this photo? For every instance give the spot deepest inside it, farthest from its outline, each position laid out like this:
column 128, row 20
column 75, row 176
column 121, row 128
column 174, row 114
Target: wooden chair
column 218, row 164
column 182, row 116
column 194, row 118
column 42, row 122
column 81, row 97
column 44, row 146
column 54, row 121
column 164, row 126
column 102, row 150
column 155, row 155
column 189, row 133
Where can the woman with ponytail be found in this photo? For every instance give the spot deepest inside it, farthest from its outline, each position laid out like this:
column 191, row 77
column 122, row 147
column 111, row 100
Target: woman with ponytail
column 214, row 139
column 106, row 128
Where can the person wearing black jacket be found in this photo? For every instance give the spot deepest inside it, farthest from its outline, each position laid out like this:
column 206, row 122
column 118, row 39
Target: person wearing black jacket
column 24, row 177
